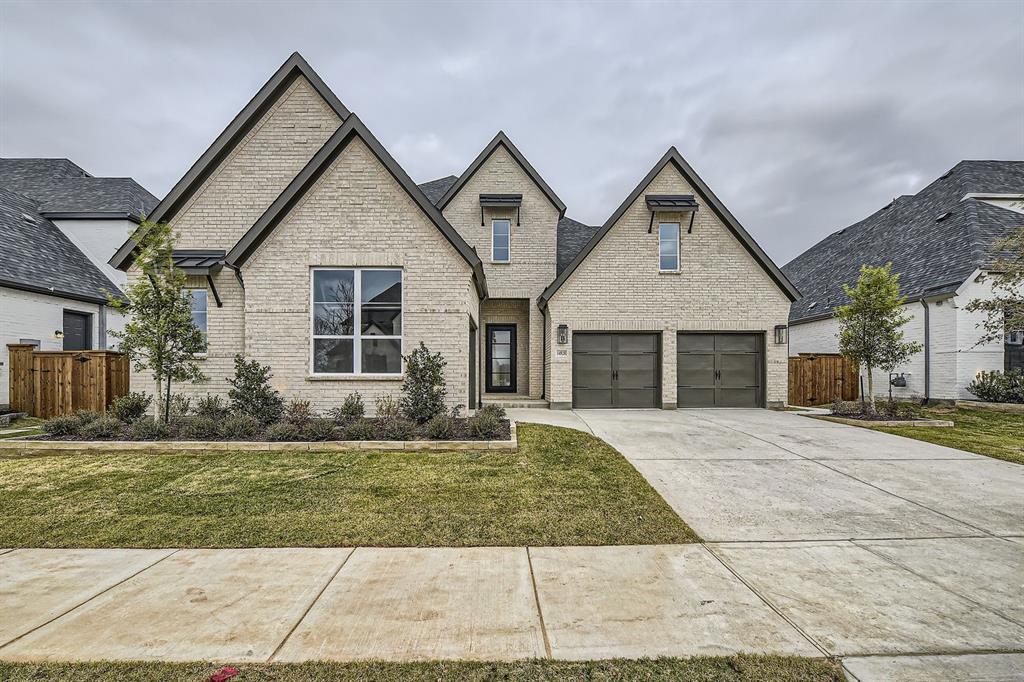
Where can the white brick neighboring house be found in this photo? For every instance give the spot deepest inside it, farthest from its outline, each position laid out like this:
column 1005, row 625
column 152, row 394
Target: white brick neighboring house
column 940, row 240
column 319, row 257
column 58, row 227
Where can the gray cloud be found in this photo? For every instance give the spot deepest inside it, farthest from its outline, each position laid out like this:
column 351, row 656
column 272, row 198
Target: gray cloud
column 803, row 117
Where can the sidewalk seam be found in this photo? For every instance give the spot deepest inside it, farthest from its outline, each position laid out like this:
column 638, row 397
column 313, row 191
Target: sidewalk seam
column 309, row 608
column 83, row 603
column 536, row 599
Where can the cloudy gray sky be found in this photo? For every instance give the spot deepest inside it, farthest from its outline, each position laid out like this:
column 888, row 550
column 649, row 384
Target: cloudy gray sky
column 802, row 116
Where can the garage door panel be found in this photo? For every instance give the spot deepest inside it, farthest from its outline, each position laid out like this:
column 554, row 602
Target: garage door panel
column 591, row 397
column 637, row 371
column 735, row 343
column 636, row 397
column 719, row 370
column 689, row 343
column 637, row 343
column 736, row 397
column 738, row 370
column 696, row 370
column 695, row 397
column 591, row 343
column 615, row 370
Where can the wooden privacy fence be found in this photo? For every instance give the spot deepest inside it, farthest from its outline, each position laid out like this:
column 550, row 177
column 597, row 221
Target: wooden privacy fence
column 816, row 379
column 51, row 383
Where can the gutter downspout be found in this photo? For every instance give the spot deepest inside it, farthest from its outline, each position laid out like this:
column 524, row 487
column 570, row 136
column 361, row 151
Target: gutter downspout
column 927, row 354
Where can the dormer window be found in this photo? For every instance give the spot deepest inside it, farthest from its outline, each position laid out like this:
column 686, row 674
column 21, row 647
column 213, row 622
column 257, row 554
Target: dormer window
column 501, row 234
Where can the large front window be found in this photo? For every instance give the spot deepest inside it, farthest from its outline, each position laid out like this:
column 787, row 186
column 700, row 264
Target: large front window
column 357, row 321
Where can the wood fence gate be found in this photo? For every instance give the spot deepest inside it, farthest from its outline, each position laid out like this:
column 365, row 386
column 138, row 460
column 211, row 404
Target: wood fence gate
column 51, row 383
column 817, row 379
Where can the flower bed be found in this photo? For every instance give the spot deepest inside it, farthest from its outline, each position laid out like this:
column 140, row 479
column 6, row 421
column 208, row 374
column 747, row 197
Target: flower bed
column 887, row 413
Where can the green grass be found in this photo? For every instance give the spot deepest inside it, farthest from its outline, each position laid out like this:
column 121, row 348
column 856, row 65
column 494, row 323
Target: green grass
column 996, row 434
column 563, row 487
column 33, row 423
column 743, row 668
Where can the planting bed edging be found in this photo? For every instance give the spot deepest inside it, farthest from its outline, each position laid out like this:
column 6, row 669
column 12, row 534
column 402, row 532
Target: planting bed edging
column 881, row 422
column 1012, row 408
column 163, row 446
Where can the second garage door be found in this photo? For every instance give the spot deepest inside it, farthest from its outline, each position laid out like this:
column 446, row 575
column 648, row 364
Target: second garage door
column 615, row 370
column 720, row 370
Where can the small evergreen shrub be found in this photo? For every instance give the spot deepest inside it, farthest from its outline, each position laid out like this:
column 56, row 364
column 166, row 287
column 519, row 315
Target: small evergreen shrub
column 86, row 416
column 388, row 408
column 212, row 406
column 497, row 411
column 361, row 429
column 283, row 432
column 298, row 413
column 424, row 389
column 845, row 407
column 148, row 428
column 131, row 406
column 66, row 425
column 319, row 430
column 398, row 428
column 484, row 424
column 351, row 408
column 103, row 428
column 200, row 427
column 441, row 427
column 999, row 387
column 239, row 427
column 251, row 393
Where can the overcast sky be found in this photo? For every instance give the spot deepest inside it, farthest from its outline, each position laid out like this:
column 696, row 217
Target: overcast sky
column 802, row 117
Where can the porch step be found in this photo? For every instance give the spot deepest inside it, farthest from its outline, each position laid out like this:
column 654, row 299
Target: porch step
column 515, row 402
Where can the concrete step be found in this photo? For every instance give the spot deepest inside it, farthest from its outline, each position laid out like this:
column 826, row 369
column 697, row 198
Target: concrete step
column 515, row 402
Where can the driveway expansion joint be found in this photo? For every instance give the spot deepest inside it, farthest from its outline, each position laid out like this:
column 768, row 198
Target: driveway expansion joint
column 540, row 611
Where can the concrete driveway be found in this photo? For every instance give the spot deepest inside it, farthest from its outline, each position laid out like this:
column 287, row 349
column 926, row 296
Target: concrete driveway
column 903, row 557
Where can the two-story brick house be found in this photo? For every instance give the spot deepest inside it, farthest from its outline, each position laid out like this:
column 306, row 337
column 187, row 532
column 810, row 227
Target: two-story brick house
column 310, row 249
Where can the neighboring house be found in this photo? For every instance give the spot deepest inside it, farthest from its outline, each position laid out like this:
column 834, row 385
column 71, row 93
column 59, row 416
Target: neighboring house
column 310, row 250
column 58, row 227
column 940, row 240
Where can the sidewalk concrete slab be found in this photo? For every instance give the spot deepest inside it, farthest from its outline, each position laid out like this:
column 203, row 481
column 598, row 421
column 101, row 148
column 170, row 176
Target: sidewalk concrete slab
column 424, row 603
column 37, row 585
column 961, row 668
column 989, row 571
column 542, row 415
column 197, row 605
column 787, row 500
column 854, row 602
column 986, row 493
column 670, row 600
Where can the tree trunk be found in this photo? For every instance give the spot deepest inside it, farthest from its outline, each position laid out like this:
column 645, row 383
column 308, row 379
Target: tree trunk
column 871, row 389
column 167, row 403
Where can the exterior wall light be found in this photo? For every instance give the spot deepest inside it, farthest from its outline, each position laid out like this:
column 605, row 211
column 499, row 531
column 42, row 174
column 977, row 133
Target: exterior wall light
column 781, row 333
column 563, row 334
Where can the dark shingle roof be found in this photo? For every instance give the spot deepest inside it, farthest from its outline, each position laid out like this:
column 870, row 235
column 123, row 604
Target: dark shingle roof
column 572, row 237
column 932, row 256
column 435, row 189
column 59, row 186
column 35, row 255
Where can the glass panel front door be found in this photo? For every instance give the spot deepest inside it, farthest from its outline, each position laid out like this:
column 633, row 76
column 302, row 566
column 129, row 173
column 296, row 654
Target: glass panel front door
column 501, row 358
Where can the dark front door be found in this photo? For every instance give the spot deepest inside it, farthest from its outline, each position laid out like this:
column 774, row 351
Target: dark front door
column 719, row 370
column 501, row 358
column 615, row 370
column 77, row 334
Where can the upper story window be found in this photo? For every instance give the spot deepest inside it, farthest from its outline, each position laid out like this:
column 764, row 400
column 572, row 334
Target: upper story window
column 501, row 234
column 356, row 321
column 668, row 247
column 199, row 312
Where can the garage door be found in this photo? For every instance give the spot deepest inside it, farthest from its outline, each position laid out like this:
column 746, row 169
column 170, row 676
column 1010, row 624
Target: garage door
column 615, row 370
column 720, row 370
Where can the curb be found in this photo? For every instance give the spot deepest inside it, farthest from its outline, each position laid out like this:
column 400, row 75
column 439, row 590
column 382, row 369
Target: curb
column 900, row 423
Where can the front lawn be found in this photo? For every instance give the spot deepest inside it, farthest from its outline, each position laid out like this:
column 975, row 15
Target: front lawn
column 563, row 487
column 743, row 668
column 996, row 434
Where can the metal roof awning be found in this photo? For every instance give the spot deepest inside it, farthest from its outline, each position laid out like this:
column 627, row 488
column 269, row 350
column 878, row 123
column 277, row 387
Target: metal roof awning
column 500, row 201
column 671, row 203
column 199, row 261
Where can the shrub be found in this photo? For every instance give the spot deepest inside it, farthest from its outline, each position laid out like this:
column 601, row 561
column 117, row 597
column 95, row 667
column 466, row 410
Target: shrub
column 397, row 429
column 484, row 424
column 200, row 427
column 239, row 427
column 497, row 411
column 424, row 389
column 251, row 393
column 319, row 430
column 298, row 413
column 212, row 406
column 148, row 429
column 845, row 407
column 999, row 387
column 351, row 408
column 388, row 408
column 104, row 428
column 86, row 416
column 283, row 431
column 361, row 429
column 131, row 406
column 67, row 425
column 441, row 426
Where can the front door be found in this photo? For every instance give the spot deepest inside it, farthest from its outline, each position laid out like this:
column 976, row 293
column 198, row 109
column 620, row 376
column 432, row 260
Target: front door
column 501, row 358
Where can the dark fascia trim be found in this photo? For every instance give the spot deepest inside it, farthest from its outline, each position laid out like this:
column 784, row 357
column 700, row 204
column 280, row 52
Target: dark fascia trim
column 92, row 215
column 243, row 122
column 11, row 284
column 675, row 158
column 502, row 140
column 353, row 127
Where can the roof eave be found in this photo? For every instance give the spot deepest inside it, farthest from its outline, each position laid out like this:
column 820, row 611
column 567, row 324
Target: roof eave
column 71, row 295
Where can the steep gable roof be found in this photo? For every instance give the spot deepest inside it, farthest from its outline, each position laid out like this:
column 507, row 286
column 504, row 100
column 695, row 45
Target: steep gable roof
column 572, row 237
column 435, row 189
column 501, row 140
column 672, row 156
column 320, row 162
column 934, row 239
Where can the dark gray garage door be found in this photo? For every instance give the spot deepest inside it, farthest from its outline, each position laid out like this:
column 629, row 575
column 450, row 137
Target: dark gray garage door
column 720, row 370
column 615, row 370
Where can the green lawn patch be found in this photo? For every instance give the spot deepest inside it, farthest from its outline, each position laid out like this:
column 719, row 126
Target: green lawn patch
column 17, row 428
column 986, row 432
column 563, row 487
column 742, row 668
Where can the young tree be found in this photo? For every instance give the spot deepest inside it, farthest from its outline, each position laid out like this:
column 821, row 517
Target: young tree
column 1004, row 311
column 160, row 335
column 871, row 325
